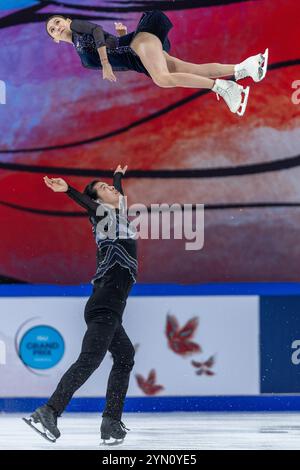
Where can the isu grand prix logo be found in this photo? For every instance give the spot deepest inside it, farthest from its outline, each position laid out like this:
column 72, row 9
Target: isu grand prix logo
column 39, row 347
column 148, row 385
column 179, row 339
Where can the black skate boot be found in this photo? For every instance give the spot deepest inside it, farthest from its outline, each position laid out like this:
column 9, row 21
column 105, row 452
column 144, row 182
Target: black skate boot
column 44, row 421
column 112, row 429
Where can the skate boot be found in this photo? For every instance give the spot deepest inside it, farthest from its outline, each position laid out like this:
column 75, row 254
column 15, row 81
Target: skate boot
column 44, row 421
column 112, row 429
column 254, row 67
column 232, row 93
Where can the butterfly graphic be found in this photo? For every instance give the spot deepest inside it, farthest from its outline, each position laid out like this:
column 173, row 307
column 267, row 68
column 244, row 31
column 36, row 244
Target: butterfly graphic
column 148, row 385
column 204, row 368
column 179, row 338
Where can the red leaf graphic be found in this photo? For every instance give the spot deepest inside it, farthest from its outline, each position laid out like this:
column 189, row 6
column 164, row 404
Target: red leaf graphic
column 204, row 367
column 152, row 377
column 178, row 338
column 189, row 328
column 172, row 326
column 210, row 362
column 183, row 347
column 148, row 385
column 197, row 364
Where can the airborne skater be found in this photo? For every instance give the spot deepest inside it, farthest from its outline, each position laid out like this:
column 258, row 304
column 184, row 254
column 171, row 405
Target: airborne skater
column 146, row 50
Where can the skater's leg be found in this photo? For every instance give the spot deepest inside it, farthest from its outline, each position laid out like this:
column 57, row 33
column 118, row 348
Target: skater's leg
column 123, row 356
column 211, row 70
column 149, row 49
column 95, row 344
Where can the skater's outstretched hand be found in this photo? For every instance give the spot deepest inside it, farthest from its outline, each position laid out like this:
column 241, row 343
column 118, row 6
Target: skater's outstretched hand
column 119, row 169
column 58, row 185
column 108, row 73
column 121, row 29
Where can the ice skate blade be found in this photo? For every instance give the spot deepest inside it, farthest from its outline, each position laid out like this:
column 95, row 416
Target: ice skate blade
column 264, row 60
column 108, row 442
column 244, row 103
column 45, row 434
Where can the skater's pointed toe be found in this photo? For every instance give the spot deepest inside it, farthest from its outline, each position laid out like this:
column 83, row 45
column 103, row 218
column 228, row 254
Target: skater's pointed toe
column 255, row 67
column 263, row 65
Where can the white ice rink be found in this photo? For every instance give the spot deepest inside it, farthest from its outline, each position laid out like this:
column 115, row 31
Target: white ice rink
column 164, row 431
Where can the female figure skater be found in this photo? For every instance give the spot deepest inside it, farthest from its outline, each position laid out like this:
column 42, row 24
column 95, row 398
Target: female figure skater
column 115, row 275
column 145, row 50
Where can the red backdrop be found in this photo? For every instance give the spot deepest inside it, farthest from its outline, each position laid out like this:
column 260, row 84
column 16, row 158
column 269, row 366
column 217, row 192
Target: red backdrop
column 63, row 116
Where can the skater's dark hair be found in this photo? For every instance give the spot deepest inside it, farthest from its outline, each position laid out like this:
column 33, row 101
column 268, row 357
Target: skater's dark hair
column 90, row 190
column 50, row 18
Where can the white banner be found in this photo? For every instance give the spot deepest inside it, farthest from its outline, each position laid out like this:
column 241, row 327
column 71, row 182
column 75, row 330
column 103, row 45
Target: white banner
column 185, row 345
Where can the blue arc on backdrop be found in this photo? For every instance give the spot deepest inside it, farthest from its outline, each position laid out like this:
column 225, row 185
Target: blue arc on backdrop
column 41, row 347
column 17, row 4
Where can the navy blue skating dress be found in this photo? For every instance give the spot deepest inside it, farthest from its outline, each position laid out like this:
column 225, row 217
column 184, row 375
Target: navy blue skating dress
column 87, row 37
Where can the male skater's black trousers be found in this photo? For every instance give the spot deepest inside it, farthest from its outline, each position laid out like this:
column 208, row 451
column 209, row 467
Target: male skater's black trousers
column 103, row 315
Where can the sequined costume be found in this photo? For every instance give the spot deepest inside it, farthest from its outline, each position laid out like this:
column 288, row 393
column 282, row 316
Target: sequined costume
column 120, row 249
column 87, row 37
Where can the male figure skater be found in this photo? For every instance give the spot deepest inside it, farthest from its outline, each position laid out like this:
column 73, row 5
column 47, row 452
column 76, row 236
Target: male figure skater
column 115, row 275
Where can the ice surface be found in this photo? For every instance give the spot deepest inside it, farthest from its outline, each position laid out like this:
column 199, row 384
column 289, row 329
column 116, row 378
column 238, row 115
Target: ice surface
column 151, row 431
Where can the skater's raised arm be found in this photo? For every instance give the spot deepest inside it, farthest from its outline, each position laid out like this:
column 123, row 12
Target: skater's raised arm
column 86, row 27
column 83, row 200
column 58, row 185
column 118, row 174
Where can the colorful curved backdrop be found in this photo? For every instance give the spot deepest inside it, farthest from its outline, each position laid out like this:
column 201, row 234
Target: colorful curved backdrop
column 181, row 145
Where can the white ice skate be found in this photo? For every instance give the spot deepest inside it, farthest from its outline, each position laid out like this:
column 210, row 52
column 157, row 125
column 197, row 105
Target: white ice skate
column 233, row 95
column 254, row 67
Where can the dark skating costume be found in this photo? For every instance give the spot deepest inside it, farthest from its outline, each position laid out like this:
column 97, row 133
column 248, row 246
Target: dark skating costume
column 87, row 37
column 115, row 275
